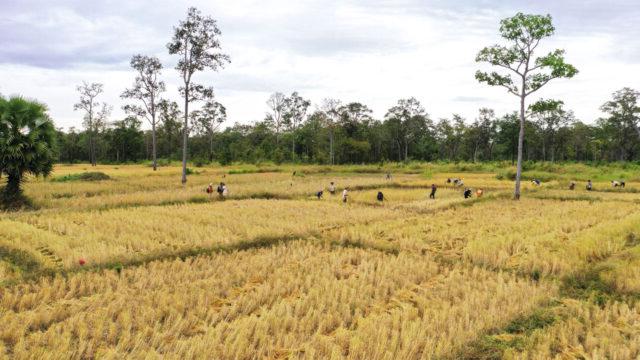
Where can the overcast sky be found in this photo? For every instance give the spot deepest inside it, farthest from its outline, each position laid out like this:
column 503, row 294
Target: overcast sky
column 371, row 51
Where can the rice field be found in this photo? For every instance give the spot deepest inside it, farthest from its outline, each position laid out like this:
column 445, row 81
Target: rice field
column 138, row 266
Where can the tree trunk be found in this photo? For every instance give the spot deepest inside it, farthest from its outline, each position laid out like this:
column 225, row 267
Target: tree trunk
column 331, row 157
column 12, row 190
column 211, row 147
column 516, row 193
column 406, row 149
column 293, row 145
column 475, row 153
column 154, row 142
column 185, row 134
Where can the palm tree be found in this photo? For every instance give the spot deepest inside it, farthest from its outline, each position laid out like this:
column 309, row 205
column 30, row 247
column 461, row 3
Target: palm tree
column 27, row 140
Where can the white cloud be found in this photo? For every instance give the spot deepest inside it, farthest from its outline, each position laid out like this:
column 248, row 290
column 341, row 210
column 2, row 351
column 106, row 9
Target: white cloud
column 374, row 51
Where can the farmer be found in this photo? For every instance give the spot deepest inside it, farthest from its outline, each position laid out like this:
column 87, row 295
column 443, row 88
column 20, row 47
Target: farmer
column 536, row 182
column 616, row 183
column 589, row 185
column 572, row 185
column 458, row 182
column 388, row 176
column 332, row 188
column 225, row 191
column 345, row 194
column 380, row 196
column 479, row 193
column 319, row 194
column 467, row 193
column 210, row 189
column 433, row 191
column 220, row 189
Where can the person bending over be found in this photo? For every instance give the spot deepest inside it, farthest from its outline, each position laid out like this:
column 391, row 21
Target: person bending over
column 332, row 188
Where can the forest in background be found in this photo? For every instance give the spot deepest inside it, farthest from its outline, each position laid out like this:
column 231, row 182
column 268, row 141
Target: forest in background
column 337, row 133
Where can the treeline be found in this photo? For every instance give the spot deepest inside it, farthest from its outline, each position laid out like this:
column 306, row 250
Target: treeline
column 348, row 133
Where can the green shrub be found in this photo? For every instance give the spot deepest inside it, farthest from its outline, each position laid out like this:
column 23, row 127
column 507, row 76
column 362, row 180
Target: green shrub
column 86, row 176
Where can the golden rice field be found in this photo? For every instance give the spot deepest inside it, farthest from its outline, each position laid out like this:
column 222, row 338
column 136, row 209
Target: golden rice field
column 138, row 266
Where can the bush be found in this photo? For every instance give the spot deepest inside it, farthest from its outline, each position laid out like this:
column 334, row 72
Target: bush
column 86, row 176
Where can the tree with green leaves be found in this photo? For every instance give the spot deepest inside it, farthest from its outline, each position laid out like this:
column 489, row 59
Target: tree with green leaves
column 480, row 134
column 275, row 116
column 208, row 120
column 170, row 128
column 27, row 143
column 550, row 116
column 295, row 110
column 196, row 40
column 146, row 89
column 407, row 121
column 331, row 109
column 524, row 73
column 96, row 113
column 623, row 122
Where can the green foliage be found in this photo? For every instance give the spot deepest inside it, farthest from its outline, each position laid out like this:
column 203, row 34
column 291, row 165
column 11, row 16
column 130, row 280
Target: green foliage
column 524, row 32
column 85, row 176
column 27, row 145
column 254, row 171
column 190, row 171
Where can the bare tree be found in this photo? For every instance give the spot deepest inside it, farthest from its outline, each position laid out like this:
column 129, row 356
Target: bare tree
column 196, row 41
column 146, row 89
column 95, row 115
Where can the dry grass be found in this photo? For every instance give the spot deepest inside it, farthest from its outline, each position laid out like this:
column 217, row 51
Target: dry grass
column 290, row 276
column 300, row 300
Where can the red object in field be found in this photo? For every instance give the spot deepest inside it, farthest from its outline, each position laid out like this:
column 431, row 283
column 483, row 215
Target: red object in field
column 82, row 261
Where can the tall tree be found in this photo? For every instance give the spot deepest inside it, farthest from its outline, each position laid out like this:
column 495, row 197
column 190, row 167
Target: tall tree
column 352, row 115
column 407, row 119
column 550, row 116
column 95, row 113
column 126, row 139
column 208, row 120
column 624, row 116
column 295, row 110
column 147, row 88
column 524, row 33
column 27, row 142
column 331, row 108
column 196, row 40
column 170, row 127
column 275, row 116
